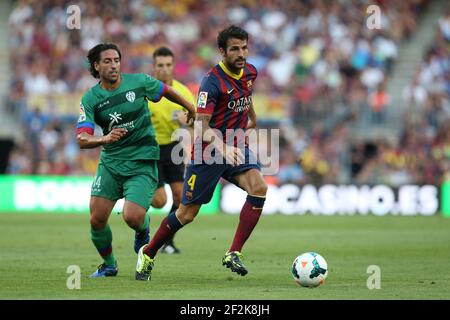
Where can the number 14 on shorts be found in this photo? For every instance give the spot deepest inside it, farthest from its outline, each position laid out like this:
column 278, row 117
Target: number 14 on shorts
column 96, row 185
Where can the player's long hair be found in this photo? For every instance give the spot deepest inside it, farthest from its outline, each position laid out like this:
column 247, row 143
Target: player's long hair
column 231, row 32
column 94, row 56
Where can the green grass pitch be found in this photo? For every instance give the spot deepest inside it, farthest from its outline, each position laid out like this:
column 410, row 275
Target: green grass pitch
column 413, row 254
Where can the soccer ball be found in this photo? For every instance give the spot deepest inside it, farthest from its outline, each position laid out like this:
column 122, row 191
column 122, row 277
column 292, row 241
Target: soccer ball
column 309, row 269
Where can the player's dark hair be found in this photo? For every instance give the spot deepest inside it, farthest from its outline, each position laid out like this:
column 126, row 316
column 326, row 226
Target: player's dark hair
column 94, row 56
column 230, row 32
column 162, row 52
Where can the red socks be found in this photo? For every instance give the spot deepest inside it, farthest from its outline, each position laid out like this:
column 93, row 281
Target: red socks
column 250, row 213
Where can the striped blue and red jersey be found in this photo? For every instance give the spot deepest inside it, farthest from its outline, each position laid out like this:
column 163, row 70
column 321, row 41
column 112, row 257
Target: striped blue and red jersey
column 227, row 97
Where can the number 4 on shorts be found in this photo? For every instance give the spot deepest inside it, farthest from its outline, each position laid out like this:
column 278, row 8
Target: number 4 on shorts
column 191, row 181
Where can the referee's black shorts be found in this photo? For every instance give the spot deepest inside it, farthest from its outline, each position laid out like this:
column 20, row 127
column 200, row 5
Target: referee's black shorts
column 168, row 171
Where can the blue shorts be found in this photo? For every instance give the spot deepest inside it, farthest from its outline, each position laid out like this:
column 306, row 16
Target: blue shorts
column 201, row 179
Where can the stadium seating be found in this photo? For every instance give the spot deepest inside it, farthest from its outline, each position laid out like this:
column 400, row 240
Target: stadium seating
column 321, row 71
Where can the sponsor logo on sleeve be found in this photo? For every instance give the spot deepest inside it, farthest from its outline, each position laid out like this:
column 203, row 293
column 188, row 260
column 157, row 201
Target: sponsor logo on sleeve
column 202, row 97
column 82, row 115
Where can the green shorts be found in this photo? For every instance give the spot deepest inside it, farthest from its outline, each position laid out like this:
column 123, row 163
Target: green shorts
column 136, row 181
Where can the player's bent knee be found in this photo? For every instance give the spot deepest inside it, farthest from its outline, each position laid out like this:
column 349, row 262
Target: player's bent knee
column 259, row 189
column 132, row 221
column 158, row 203
column 187, row 214
column 97, row 223
column 187, row 218
column 160, row 199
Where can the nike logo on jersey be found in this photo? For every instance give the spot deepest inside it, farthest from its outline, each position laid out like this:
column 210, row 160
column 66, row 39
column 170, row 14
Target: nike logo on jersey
column 255, row 208
column 230, row 91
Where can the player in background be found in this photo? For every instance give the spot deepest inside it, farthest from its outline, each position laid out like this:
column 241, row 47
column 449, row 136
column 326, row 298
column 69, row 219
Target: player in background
column 166, row 118
column 128, row 161
column 224, row 102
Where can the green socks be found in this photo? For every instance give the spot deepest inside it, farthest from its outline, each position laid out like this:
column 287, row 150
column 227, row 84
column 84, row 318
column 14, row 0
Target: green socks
column 145, row 224
column 102, row 240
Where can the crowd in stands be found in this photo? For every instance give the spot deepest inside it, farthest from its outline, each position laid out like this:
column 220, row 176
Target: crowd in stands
column 422, row 152
column 320, row 67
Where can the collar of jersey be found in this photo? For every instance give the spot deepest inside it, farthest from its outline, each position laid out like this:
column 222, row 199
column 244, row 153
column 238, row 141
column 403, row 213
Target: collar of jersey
column 228, row 72
column 111, row 91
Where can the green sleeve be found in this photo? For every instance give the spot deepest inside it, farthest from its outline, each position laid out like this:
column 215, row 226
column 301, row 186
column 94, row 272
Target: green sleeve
column 154, row 89
column 86, row 117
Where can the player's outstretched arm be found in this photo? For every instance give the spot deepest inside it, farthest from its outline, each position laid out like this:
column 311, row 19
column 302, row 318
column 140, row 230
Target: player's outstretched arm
column 88, row 141
column 174, row 96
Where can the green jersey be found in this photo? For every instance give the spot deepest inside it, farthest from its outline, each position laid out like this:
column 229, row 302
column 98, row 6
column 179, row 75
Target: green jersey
column 125, row 107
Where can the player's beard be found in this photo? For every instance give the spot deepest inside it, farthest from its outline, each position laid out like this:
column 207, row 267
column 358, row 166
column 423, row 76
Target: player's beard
column 239, row 63
column 113, row 80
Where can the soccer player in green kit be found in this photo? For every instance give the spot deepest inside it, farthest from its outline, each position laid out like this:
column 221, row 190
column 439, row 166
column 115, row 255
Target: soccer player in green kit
column 128, row 162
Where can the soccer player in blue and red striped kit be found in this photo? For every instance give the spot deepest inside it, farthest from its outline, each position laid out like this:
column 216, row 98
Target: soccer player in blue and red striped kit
column 225, row 105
